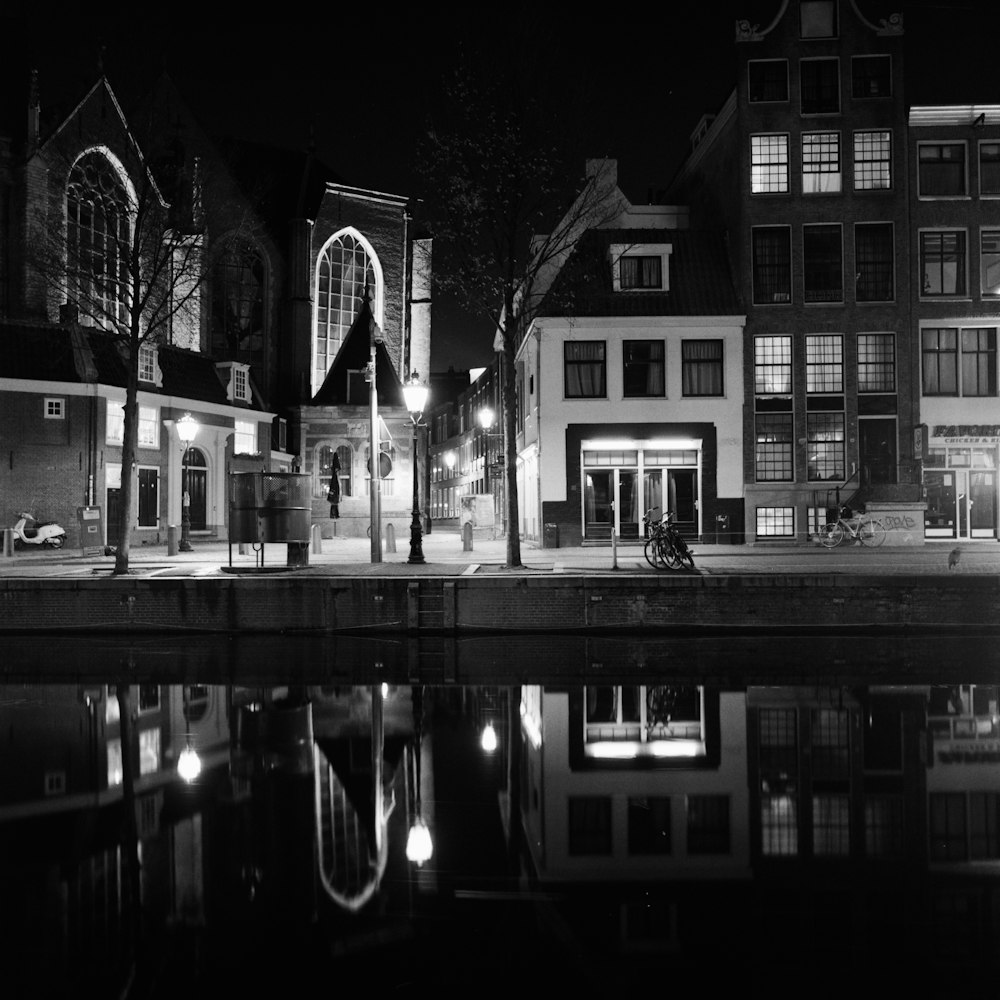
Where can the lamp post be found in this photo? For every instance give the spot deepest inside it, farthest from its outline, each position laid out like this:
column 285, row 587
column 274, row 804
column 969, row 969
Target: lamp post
column 486, row 419
column 187, row 431
column 415, row 394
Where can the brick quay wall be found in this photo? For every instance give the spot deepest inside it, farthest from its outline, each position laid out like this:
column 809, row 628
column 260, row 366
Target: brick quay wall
column 504, row 604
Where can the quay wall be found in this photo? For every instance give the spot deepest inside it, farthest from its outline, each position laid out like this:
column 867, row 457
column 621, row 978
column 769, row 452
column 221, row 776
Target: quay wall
column 469, row 605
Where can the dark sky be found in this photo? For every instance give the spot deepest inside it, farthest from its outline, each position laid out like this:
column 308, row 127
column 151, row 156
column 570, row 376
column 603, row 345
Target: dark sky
column 365, row 83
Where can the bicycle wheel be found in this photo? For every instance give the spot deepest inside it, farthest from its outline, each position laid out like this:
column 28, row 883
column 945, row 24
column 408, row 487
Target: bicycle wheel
column 684, row 557
column 650, row 549
column 871, row 531
column 832, row 535
column 669, row 553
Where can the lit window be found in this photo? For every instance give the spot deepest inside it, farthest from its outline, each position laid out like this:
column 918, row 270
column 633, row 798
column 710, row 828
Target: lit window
column 54, row 408
column 115, row 770
column 831, row 825
column 772, row 365
column 115, row 421
column 241, row 384
column 873, row 161
column 775, row 522
column 344, row 270
column 245, row 439
column 773, row 452
column 147, row 363
column 939, row 356
column 149, row 751
column 941, row 169
column 769, row 164
column 97, row 240
column 821, row 163
column 824, row 363
column 149, row 427
column 825, row 441
column 876, row 362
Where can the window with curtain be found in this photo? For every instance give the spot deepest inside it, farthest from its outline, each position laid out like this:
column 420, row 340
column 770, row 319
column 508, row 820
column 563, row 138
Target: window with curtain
column 643, row 368
column 979, row 361
column 585, row 374
column 98, row 240
column 769, row 164
column 824, row 363
column 989, row 263
column 772, row 365
column 939, row 361
column 772, row 264
column 823, row 263
column 345, row 269
column 238, row 304
column 701, row 368
column 821, row 162
column 873, row 161
column 876, row 362
column 773, row 453
column 941, row 169
column 639, row 271
column 873, row 262
column 942, row 263
column 825, row 434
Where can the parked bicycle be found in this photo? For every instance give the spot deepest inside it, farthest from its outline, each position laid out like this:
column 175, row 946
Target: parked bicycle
column 862, row 528
column 665, row 548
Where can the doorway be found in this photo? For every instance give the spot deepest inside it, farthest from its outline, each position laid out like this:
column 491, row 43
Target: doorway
column 877, row 450
column 961, row 504
column 611, row 503
column 196, row 484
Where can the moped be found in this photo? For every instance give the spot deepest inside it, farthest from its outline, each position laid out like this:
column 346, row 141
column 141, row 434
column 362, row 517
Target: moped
column 28, row 531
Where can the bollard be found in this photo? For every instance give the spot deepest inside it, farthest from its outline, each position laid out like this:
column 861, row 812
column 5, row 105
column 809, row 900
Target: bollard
column 8, row 542
column 172, row 534
column 467, row 536
column 390, row 537
column 614, row 551
column 317, row 540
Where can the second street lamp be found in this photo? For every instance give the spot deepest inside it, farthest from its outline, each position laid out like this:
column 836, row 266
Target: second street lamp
column 415, row 394
column 187, row 431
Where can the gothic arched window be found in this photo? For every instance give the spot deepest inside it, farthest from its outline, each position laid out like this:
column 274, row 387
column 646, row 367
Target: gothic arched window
column 98, row 240
column 238, row 305
column 345, row 268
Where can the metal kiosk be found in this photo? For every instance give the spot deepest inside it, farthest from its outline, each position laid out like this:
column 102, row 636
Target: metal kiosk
column 270, row 507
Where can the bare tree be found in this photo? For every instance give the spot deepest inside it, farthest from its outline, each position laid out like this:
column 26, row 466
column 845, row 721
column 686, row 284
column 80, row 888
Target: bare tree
column 506, row 216
column 131, row 254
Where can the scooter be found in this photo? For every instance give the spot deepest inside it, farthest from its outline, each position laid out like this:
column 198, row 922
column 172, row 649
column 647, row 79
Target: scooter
column 28, row 531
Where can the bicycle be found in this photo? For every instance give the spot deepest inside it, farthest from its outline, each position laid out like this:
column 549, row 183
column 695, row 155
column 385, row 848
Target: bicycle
column 864, row 528
column 664, row 545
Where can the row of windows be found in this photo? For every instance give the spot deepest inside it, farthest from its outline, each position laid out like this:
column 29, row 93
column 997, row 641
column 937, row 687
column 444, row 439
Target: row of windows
column 649, row 825
column 943, row 255
column 819, row 81
column 340, row 462
column 643, row 368
column 824, row 356
column 822, row 166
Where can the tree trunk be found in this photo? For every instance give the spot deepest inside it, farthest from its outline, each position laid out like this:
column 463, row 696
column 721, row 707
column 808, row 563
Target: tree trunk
column 508, row 388
column 130, row 831
column 130, row 441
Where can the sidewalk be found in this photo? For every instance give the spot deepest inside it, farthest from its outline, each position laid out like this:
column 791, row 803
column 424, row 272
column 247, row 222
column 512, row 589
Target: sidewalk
column 444, row 555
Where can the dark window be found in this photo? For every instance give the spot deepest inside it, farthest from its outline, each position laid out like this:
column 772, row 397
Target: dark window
column 984, row 808
column 238, row 305
column 345, row 459
column 585, row 373
column 939, row 350
column 876, row 362
column 589, row 825
column 773, row 454
column 768, row 79
column 873, row 262
column 941, row 168
column 149, row 697
column 948, row 827
column 643, row 368
column 649, row 825
column 818, row 18
column 942, row 263
column 989, row 262
column 708, row 824
column 823, row 267
column 149, row 499
column 641, row 271
column 979, row 362
column 772, row 264
column 989, row 168
column 701, row 368
column 820, row 79
column 871, row 76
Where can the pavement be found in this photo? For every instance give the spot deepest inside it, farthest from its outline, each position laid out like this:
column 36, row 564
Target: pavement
column 445, row 555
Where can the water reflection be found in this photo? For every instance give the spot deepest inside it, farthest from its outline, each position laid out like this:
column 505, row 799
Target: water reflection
column 619, row 827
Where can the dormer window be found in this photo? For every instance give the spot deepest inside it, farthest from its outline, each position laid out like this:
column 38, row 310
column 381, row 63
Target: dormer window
column 149, row 365
column 238, row 381
column 641, row 268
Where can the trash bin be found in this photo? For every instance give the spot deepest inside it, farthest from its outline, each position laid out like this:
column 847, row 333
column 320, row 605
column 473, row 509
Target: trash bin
column 550, row 538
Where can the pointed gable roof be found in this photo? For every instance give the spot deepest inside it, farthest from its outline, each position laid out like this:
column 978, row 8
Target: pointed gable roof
column 354, row 355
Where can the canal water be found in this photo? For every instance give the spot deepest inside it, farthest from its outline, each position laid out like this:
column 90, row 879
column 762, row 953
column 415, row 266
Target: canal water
column 215, row 816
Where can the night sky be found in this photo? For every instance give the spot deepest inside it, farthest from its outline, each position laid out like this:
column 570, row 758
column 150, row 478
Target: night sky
column 364, row 83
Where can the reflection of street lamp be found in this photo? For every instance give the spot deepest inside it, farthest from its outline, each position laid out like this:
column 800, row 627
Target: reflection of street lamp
column 189, row 764
column 449, row 460
column 418, row 841
column 187, row 431
column 489, row 740
column 415, row 394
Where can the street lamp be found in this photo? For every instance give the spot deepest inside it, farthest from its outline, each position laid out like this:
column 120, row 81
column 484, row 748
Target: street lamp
column 187, row 431
column 486, row 419
column 415, row 394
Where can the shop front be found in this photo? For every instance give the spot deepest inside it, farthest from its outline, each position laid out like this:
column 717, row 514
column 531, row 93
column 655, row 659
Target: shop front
column 621, row 482
column 960, row 482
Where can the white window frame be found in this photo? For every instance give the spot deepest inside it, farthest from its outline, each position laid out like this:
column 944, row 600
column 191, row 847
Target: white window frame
column 661, row 250
column 149, row 365
column 114, row 430
column 762, row 156
column 874, row 143
column 245, row 438
column 54, row 408
column 149, row 427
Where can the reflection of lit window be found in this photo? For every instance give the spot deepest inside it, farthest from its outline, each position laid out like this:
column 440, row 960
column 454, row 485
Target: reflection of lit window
column 708, row 824
column 149, row 751
column 114, row 762
column 831, row 825
column 632, row 720
column 111, row 705
column 149, row 698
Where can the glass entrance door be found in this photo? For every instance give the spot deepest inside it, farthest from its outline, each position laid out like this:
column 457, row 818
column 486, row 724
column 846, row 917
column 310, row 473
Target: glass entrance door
column 961, row 504
column 598, row 504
